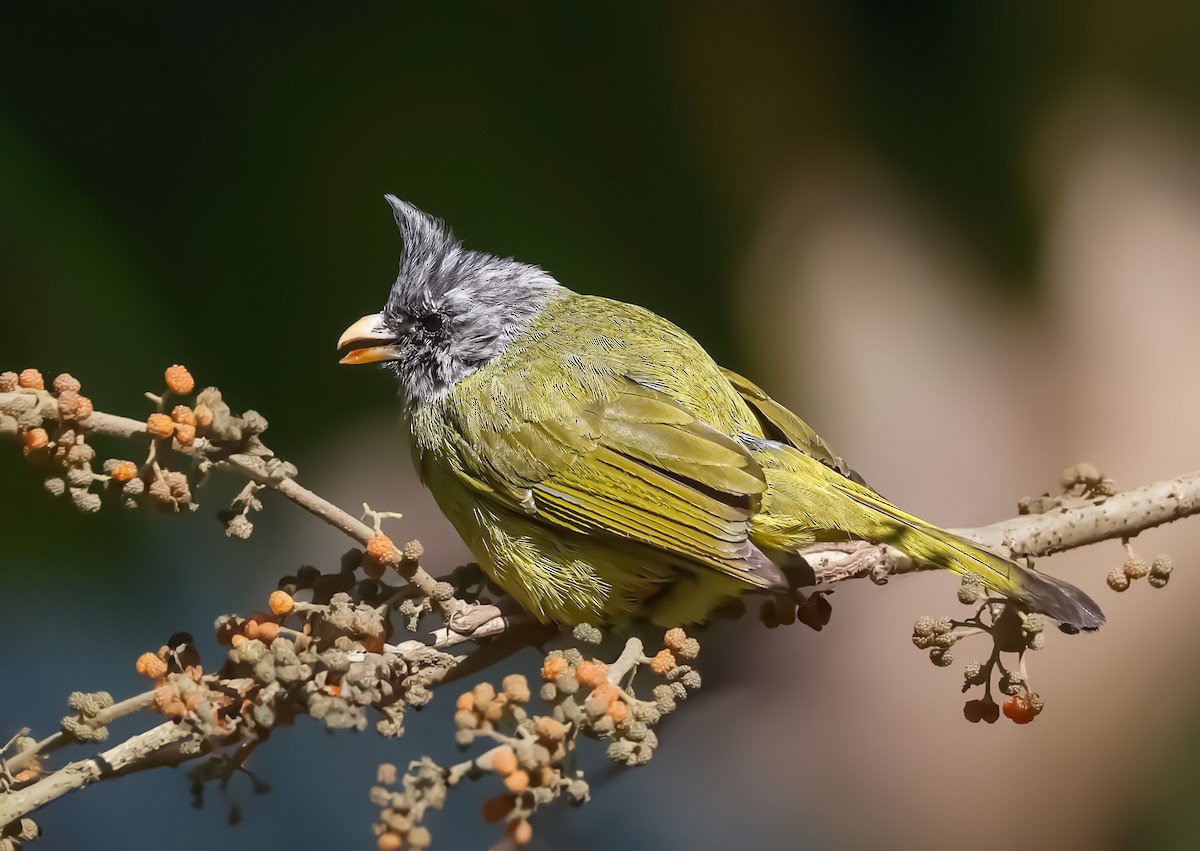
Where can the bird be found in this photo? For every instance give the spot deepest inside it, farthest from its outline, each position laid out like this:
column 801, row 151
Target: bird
column 602, row 468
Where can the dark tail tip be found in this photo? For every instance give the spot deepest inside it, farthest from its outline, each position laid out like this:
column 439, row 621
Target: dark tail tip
column 1061, row 601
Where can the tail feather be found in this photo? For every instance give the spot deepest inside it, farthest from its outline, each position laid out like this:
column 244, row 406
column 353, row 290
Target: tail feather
column 1038, row 592
column 812, row 494
column 808, row 501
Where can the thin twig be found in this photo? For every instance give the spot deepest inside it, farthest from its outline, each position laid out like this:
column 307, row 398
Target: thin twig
column 121, row 758
column 53, row 742
column 251, row 467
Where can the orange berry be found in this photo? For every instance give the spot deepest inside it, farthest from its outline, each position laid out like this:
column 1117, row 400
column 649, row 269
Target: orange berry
column 554, row 667
column 382, row 550
column 605, row 693
column 549, row 729
column 504, row 762
column 159, row 425
column 280, row 602
column 179, row 380
column 35, row 439
column 662, row 662
column 183, row 414
column 238, row 640
column 591, row 674
column 520, row 831
column 618, row 711
column 268, row 632
column 65, row 382
column 495, row 709
column 185, row 434
column 124, row 471
column 466, row 702
column 516, row 688
column 1020, row 709
column 484, row 694
column 31, row 379
column 151, row 665
column 517, row 782
column 334, row 690
column 389, row 841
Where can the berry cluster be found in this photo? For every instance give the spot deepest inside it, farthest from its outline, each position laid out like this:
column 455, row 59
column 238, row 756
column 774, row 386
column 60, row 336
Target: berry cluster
column 62, row 448
column 55, row 435
column 55, row 424
column 1010, row 630
column 382, row 554
column 586, row 698
column 423, row 787
column 326, row 657
column 1079, row 483
column 1157, row 572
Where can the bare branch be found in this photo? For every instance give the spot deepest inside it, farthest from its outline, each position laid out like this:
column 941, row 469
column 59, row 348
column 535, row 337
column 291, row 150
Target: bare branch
column 1122, row 516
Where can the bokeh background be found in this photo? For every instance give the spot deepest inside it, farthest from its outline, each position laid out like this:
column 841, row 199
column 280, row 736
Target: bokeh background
column 963, row 240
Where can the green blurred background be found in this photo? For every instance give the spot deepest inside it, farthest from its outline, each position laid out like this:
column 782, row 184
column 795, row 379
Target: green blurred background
column 202, row 183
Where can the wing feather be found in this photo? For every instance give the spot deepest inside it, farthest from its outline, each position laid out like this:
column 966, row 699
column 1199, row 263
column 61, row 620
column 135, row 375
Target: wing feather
column 636, row 466
column 782, row 424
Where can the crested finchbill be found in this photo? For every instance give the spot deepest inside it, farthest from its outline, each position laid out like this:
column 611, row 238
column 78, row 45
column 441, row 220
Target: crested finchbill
column 602, row 467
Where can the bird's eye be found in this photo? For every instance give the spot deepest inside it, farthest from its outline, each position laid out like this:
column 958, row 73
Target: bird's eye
column 431, row 323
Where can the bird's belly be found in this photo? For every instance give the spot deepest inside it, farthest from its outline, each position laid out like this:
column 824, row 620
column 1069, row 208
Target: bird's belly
column 561, row 577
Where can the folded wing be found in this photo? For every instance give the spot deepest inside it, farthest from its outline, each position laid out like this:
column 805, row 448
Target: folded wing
column 635, row 466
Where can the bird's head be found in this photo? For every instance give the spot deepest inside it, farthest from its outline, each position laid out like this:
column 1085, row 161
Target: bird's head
column 450, row 311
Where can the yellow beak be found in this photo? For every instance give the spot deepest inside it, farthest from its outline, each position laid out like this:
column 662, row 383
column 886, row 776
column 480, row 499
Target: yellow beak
column 369, row 329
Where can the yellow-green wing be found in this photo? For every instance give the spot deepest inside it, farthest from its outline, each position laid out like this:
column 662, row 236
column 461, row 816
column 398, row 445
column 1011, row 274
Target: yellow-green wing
column 781, row 424
column 636, row 466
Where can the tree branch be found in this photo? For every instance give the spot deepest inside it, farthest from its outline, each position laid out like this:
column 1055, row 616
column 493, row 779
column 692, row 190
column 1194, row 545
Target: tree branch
column 19, row 762
column 338, row 665
column 1090, row 521
column 252, row 467
column 1123, row 516
column 75, row 775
